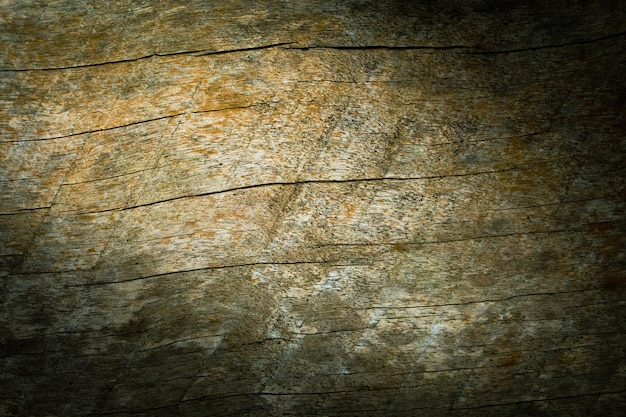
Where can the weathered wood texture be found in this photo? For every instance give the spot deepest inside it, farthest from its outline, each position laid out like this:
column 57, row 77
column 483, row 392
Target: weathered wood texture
column 312, row 208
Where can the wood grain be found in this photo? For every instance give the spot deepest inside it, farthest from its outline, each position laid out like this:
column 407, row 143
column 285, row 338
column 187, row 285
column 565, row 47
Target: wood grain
column 312, row 208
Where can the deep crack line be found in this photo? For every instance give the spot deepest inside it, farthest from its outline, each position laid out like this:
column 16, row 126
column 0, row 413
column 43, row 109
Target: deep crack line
column 383, row 47
column 553, row 46
column 139, row 122
column 473, row 49
column 104, row 129
column 491, row 300
column 534, row 400
column 208, row 268
column 329, row 181
column 205, row 52
column 199, row 52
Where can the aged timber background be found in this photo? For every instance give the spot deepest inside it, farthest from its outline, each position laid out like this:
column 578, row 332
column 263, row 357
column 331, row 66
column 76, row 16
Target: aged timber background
column 266, row 208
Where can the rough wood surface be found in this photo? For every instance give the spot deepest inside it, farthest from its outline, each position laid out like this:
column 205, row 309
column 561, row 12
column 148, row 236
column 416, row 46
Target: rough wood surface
column 312, row 208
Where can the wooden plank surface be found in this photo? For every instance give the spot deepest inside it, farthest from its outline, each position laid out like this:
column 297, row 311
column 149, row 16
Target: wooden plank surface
column 312, row 208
